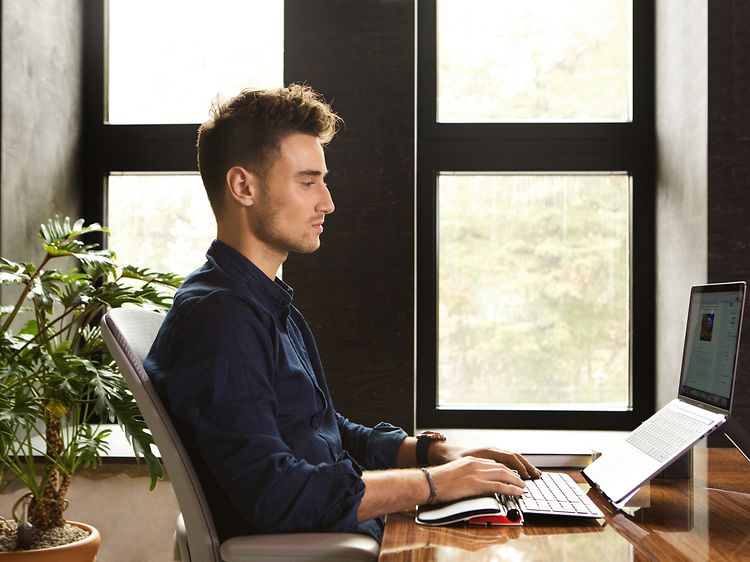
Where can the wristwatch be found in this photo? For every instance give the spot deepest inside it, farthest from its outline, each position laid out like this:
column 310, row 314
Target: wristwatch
column 424, row 440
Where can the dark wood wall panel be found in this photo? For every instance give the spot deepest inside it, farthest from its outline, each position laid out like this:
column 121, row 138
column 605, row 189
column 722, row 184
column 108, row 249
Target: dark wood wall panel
column 357, row 291
column 729, row 164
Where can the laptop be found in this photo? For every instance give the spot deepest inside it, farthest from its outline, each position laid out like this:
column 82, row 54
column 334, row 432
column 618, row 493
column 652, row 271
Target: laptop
column 704, row 398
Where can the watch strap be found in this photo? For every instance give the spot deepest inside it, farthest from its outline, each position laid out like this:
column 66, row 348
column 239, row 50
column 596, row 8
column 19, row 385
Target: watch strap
column 422, row 446
column 424, row 440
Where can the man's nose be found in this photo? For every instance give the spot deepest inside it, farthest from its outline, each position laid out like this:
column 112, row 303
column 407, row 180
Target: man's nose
column 326, row 203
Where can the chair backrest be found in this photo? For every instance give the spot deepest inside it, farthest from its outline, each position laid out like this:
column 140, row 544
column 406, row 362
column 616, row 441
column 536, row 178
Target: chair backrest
column 128, row 334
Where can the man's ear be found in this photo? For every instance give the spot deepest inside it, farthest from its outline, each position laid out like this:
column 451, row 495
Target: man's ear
column 242, row 185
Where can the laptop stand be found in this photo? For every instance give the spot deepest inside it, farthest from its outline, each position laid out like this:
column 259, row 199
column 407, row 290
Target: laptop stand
column 737, row 435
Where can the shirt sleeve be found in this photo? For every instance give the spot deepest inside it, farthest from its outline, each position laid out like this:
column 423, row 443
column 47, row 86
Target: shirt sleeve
column 219, row 386
column 374, row 448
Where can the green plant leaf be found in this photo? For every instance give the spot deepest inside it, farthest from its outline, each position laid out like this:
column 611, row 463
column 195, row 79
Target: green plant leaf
column 12, row 272
column 167, row 279
column 56, row 232
column 8, row 309
column 115, row 295
column 30, row 328
column 98, row 264
column 76, row 292
column 91, row 445
column 121, row 403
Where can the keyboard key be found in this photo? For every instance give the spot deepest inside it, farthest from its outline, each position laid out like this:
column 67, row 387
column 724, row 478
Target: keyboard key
column 662, row 435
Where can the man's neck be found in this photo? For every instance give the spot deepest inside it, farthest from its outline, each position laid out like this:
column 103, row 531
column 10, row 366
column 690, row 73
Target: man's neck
column 264, row 259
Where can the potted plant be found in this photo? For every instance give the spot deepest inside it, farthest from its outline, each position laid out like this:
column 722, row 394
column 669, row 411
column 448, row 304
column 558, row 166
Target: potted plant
column 58, row 383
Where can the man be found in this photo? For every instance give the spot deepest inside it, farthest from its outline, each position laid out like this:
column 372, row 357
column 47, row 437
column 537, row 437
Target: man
column 237, row 365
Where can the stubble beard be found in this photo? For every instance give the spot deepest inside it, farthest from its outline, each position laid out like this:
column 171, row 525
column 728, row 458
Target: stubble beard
column 267, row 230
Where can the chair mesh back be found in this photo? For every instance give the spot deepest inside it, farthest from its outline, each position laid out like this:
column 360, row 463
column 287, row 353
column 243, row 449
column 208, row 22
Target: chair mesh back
column 128, row 334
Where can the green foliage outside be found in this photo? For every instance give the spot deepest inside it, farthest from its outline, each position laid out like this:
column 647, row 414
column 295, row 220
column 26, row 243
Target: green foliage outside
column 160, row 221
column 533, row 270
column 533, row 290
column 546, row 60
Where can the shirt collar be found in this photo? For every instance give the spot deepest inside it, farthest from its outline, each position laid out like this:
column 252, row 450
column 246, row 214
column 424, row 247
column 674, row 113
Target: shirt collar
column 275, row 293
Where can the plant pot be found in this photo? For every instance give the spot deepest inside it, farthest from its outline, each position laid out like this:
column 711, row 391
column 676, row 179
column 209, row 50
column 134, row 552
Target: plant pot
column 81, row 551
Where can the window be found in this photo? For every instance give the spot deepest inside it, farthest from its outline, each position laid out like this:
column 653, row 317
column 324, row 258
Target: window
column 162, row 220
column 536, row 265
column 535, row 210
column 152, row 70
column 168, row 59
column 540, row 61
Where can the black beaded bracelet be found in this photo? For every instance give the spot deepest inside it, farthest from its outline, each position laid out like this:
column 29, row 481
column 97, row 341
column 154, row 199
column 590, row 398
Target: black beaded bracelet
column 431, row 482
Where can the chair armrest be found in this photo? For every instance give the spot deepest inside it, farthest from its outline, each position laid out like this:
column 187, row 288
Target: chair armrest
column 301, row 547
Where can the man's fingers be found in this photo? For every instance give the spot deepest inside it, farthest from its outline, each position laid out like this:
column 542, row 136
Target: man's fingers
column 514, row 461
column 521, row 468
column 503, row 475
column 524, row 468
column 531, row 470
column 509, row 490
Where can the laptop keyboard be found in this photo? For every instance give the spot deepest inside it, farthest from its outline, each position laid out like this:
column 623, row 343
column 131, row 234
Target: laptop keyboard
column 556, row 493
column 666, row 433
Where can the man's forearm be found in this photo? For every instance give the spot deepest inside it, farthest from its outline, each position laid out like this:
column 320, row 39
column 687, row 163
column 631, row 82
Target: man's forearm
column 391, row 491
column 407, row 453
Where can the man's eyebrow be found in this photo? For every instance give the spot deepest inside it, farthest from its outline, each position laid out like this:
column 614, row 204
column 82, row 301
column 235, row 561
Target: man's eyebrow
column 315, row 173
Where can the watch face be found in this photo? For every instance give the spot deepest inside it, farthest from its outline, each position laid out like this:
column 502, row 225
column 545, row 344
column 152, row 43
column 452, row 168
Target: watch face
column 431, row 436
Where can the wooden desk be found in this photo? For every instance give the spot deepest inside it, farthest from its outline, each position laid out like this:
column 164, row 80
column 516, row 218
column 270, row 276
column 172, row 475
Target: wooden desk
column 706, row 517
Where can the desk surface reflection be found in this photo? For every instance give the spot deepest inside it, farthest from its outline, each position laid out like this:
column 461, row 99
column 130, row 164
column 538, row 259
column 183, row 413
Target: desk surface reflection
column 706, row 517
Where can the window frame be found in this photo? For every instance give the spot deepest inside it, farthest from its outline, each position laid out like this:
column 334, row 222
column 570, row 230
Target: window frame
column 537, row 147
column 137, row 148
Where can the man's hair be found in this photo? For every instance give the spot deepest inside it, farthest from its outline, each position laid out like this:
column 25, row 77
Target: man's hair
column 248, row 129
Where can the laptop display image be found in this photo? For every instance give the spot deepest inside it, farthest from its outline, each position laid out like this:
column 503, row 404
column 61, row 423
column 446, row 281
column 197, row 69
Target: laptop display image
column 712, row 338
column 704, row 396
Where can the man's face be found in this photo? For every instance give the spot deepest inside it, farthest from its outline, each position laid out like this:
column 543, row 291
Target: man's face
column 293, row 199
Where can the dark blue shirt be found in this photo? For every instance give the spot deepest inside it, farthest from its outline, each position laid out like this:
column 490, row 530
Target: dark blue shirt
column 239, row 371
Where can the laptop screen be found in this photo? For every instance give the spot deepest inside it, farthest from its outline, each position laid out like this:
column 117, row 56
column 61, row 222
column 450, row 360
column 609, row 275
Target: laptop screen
column 711, row 340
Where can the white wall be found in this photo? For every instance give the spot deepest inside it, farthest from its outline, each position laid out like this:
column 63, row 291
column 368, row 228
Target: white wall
column 681, row 199
column 41, row 119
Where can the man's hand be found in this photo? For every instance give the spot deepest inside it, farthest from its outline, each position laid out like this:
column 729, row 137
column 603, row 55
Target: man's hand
column 441, row 453
column 473, row 476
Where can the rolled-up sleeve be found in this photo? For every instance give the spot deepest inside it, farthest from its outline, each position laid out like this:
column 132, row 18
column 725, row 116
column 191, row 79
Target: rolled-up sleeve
column 218, row 385
column 374, row 448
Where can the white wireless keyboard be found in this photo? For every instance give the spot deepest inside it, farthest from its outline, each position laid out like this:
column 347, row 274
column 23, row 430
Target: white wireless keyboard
column 556, row 493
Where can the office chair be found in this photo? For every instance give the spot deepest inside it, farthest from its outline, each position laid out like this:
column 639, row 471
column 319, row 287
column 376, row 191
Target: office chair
column 128, row 334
